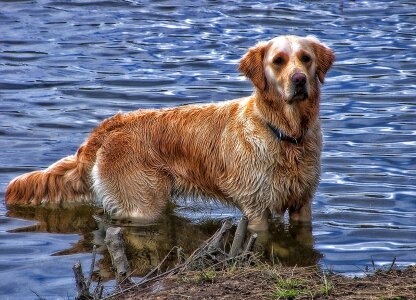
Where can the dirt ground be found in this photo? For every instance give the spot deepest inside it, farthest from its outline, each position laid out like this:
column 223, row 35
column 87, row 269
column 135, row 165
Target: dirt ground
column 265, row 282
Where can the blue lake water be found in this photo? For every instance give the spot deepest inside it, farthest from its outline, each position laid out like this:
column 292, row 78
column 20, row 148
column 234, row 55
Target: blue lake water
column 66, row 65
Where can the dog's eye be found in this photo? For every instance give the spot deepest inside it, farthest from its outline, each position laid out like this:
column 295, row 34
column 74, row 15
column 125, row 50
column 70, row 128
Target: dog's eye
column 278, row 60
column 305, row 58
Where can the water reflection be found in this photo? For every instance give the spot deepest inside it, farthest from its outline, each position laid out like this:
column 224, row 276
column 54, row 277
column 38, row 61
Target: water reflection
column 147, row 245
column 77, row 220
column 291, row 244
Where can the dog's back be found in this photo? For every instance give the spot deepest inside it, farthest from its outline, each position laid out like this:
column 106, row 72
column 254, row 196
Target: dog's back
column 180, row 146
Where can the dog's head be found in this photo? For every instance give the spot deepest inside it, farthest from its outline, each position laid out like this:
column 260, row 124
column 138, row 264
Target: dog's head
column 287, row 67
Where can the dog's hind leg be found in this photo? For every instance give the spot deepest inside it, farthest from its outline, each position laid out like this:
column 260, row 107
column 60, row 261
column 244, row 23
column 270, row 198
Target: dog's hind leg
column 134, row 194
column 125, row 183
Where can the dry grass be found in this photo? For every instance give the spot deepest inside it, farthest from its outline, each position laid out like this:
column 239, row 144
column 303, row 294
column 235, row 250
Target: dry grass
column 254, row 279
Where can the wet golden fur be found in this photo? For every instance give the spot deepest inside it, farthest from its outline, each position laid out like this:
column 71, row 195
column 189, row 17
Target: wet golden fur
column 135, row 162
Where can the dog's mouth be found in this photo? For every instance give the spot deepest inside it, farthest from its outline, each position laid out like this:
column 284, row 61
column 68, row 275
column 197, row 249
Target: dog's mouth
column 300, row 94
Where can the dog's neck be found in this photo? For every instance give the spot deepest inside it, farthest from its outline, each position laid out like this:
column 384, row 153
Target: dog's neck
column 293, row 120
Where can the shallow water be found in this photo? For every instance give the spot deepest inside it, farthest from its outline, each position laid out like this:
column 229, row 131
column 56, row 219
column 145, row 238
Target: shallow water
column 66, row 65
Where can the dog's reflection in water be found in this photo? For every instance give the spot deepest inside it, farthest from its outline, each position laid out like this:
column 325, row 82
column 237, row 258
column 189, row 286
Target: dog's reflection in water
column 147, row 245
column 288, row 243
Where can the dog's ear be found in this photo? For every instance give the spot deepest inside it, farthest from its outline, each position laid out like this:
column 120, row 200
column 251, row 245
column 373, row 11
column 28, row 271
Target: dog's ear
column 251, row 65
column 325, row 57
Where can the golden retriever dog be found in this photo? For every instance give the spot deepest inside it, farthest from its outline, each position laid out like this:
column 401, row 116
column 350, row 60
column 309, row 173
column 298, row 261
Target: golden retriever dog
column 260, row 153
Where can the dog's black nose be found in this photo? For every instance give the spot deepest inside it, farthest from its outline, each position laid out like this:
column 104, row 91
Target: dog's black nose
column 299, row 79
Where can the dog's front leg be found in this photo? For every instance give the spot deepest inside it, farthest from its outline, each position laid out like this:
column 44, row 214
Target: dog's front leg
column 303, row 214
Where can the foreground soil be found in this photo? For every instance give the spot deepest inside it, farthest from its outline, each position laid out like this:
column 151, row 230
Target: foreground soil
column 265, row 282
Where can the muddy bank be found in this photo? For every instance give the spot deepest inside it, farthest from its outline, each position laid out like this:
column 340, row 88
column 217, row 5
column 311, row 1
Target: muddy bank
column 276, row 282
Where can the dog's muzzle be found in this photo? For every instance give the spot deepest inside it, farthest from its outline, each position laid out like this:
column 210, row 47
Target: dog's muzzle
column 299, row 85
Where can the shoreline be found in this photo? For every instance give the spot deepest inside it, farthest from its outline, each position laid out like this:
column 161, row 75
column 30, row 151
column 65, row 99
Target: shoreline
column 263, row 281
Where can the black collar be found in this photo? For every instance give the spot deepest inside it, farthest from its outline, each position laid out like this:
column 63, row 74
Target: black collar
column 282, row 137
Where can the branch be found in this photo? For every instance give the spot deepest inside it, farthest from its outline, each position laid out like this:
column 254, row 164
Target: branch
column 239, row 236
column 114, row 241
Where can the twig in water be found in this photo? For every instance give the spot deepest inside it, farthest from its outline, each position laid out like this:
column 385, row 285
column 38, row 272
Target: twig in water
column 392, row 264
column 250, row 244
column 82, row 289
column 239, row 236
column 94, row 253
column 217, row 237
column 374, row 265
column 114, row 241
column 37, row 295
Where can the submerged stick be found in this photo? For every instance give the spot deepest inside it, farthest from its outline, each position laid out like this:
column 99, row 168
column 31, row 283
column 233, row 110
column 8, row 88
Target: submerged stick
column 392, row 264
column 82, row 289
column 94, row 254
column 239, row 236
column 250, row 244
column 216, row 241
column 114, row 241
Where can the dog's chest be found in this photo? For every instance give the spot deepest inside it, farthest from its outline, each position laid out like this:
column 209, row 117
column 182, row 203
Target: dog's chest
column 268, row 168
column 295, row 172
column 290, row 159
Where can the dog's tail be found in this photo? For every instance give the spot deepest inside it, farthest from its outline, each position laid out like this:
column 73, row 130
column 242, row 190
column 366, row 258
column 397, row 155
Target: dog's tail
column 67, row 180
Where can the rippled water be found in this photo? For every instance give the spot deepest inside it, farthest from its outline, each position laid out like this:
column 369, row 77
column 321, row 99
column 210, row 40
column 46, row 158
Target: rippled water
column 66, row 65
